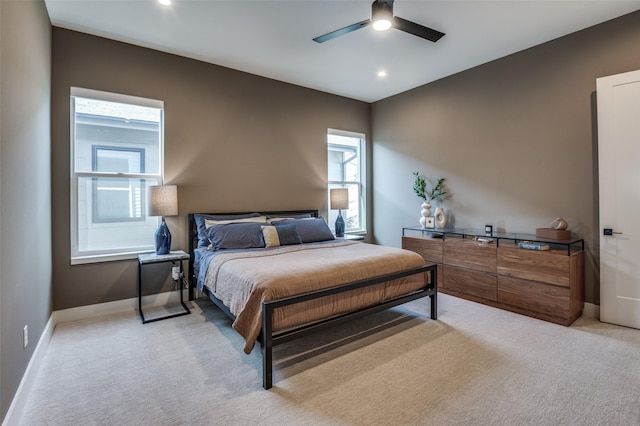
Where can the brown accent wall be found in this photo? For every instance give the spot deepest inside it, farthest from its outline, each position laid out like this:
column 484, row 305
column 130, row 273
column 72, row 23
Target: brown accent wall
column 25, row 187
column 233, row 142
column 515, row 138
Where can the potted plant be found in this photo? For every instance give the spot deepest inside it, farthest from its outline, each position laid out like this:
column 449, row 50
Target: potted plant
column 437, row 192
column 420, row 188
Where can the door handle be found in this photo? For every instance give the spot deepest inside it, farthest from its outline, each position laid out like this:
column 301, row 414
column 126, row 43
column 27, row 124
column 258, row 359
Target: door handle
column 609, row 231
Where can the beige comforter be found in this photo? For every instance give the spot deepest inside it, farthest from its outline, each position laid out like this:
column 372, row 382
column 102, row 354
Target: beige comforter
column 243, row 280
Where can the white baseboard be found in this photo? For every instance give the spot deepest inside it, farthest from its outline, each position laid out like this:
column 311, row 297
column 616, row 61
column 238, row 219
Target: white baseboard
column 108, row 308
column 14, row 414
column 20, row 398
column 591, row 311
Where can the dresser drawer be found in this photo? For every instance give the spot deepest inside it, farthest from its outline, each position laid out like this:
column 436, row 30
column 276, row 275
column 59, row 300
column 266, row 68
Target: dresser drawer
column 429, row 248
column 552, row 266
column 466, row 253
column 533, row 296
column 473, row 283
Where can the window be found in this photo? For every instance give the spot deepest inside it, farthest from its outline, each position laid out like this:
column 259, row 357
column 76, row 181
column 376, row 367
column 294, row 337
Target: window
column 117, row 153
column 116, row 200
column 346, row 168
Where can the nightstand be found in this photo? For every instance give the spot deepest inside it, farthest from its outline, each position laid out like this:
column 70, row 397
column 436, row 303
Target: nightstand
column 175, row 257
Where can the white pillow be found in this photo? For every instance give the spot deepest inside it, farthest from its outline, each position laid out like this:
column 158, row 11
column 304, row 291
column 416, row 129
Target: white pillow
column 280, row 219
column 208, row 223
column 270, row 234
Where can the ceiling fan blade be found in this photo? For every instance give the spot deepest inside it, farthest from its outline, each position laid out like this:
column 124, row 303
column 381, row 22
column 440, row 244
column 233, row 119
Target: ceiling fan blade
column 416, row 29
column 341, row 31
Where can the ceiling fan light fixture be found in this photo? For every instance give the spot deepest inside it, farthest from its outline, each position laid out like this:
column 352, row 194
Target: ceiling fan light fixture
column 381, row 25
column 381, row 19
column 381, row 15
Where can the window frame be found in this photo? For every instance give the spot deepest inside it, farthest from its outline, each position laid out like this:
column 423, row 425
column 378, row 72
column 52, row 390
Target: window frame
column 361, row 184
column 123, row 253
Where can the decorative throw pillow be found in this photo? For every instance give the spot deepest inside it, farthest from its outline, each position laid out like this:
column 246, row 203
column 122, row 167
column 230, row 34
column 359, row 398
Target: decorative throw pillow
column 235, row 236
column 311, row 230
column 283, row 235
column 270, row 235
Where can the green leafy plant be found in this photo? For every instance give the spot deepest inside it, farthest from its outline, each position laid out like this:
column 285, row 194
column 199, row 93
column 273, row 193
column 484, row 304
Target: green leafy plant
column 420, row 188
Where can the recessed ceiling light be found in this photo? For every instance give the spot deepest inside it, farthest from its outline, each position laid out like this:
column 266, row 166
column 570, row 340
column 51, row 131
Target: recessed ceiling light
column 165, row 2
column 382, row 74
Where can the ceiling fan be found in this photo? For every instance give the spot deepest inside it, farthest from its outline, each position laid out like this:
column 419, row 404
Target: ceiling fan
column 382, row 19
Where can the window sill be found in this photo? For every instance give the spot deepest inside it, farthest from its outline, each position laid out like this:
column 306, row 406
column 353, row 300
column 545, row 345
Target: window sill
column 353, row 237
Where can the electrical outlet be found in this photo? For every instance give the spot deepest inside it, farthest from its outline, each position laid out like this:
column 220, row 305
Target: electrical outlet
column 175, row 273
column 25, row 336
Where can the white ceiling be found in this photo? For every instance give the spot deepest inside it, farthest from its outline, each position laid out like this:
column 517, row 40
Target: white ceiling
column 274, row 38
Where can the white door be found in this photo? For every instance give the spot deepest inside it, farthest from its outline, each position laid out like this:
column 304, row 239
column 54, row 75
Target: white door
column 619, row 181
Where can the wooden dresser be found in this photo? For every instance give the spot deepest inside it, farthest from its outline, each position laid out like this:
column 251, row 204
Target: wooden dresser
column 547, row 284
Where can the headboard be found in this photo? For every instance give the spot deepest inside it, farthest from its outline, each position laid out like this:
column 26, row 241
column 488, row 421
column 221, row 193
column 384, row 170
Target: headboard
column 193, row 234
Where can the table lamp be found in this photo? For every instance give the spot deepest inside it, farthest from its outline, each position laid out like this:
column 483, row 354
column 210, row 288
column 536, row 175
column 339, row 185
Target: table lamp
column 163, row 201
column 338, row 200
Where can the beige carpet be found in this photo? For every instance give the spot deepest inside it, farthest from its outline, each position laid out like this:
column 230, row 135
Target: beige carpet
column 476, row 365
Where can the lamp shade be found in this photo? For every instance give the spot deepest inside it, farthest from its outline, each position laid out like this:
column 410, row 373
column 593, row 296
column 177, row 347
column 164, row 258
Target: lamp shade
column 163, row 200
column 339, row 198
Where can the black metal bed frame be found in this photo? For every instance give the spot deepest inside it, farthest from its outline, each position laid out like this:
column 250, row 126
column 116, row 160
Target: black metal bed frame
column 268, row 338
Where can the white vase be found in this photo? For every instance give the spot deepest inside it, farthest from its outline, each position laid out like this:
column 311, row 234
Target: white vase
column 440, row 218
column 425, row 213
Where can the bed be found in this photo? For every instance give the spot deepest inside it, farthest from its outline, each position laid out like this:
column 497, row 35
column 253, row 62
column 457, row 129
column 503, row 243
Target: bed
column 281, row 274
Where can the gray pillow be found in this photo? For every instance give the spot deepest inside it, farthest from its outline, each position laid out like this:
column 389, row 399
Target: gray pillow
column 311, row 230
column 203, row 239
column 288, row 234
column 235, row 236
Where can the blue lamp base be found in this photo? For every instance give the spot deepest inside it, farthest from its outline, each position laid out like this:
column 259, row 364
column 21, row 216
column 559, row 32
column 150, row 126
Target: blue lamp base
column 339, row 225
column 163, row 238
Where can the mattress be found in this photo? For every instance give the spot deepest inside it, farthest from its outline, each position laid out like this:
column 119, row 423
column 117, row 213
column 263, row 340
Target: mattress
column 243, row 279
